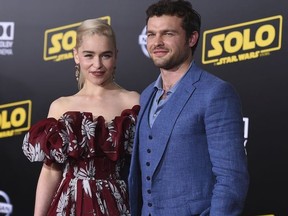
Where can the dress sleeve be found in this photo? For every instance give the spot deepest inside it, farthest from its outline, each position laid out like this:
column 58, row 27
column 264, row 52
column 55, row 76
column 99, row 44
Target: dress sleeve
column 42, row 140
column 121, row 134
column 130, row 127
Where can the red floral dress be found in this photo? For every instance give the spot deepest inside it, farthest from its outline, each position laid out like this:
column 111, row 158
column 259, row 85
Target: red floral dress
column 93, row 153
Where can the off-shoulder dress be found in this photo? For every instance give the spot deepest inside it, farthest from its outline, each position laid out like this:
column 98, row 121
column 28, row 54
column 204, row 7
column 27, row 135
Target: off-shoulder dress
column 93, row 153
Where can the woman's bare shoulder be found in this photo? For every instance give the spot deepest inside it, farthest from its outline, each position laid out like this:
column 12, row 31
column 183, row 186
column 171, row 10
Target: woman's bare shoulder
column 59, row 106
column 131, row 97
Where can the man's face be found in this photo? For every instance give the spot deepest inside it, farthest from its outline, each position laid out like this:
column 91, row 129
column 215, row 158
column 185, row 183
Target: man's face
column 166, row 41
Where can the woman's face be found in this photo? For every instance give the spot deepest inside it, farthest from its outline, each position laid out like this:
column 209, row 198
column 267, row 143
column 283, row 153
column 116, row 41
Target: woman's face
column 97, row 59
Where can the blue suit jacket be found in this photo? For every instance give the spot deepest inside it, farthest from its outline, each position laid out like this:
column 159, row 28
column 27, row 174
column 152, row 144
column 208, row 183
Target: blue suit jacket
column 199, row 167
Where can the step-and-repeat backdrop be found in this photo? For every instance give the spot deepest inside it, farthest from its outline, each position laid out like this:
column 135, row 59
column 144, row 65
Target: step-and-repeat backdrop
column 243, row 42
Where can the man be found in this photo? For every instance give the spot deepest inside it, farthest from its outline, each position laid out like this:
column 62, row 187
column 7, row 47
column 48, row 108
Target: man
column 188, row 156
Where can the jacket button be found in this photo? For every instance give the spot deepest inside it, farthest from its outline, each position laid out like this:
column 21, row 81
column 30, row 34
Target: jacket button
column 150, row 137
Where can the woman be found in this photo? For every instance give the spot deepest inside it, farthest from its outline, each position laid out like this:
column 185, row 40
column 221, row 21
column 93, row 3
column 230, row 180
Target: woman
column 86, row 140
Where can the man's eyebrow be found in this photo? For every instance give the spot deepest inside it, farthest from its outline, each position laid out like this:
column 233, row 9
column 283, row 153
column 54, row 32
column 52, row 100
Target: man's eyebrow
column 87, row 51
column 162, row 31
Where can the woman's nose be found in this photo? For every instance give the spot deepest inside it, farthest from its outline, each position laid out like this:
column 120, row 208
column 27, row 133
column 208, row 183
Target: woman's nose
column 97, row 63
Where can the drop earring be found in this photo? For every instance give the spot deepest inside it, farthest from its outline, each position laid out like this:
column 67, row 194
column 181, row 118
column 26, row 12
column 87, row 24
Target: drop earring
column 77, row 71
column 113, row 74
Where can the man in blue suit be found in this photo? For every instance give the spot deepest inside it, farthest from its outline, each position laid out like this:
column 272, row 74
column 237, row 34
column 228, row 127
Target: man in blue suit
column 188, row 156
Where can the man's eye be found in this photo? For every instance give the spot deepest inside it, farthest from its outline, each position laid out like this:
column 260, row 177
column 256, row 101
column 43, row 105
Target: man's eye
column 106, row 56
column 169, row 33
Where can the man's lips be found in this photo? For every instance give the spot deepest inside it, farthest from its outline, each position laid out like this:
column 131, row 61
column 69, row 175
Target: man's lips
column 160, row 52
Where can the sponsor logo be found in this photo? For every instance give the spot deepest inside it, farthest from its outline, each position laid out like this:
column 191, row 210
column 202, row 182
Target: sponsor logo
column 244, row 41
column 15, row 118
column 6, row 207
column 142, row 41
column 6, row 38
column 60, row 41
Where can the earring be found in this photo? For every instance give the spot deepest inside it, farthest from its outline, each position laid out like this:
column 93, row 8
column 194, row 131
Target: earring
column 77, row 71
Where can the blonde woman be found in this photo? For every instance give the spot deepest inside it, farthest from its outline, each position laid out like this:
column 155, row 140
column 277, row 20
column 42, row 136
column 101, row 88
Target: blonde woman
column 86, row 140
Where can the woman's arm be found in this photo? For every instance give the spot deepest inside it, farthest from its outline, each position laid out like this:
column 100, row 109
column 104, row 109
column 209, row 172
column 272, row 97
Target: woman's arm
column 49, row 179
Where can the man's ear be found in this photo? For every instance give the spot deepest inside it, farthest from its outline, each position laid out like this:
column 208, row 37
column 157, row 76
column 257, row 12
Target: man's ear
column 193, row 38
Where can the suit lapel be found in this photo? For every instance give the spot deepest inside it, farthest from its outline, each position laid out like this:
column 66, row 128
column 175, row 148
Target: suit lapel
column 145, row 99
column 166, row 120
column 146, row 96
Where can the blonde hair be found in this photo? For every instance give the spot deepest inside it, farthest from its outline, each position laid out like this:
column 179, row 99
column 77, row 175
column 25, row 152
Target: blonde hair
column 92, row 27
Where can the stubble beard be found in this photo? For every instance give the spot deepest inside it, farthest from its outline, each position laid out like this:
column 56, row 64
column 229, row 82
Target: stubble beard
column 160, row 63
column 169, row 63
